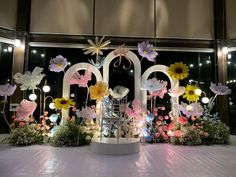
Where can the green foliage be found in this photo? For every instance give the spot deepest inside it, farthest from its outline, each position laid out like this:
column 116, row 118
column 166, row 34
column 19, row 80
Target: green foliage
column 69, row 134
column 218, row 132
column 24, row 136
column 190, row 137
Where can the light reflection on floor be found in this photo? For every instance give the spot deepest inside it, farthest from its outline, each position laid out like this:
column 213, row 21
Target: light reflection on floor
column 157, row 160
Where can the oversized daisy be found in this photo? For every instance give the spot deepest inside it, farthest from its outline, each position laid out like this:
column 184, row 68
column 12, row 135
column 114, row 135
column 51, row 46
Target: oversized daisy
column 190, row 93
column 98, row 91
column 63, row 103
column 178, row 71
column 97, row 46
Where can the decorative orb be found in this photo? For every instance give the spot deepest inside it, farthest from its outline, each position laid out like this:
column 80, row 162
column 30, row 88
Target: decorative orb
column 198, row 91
column 225, row 50
column 46, row 88
column 51, row 106
column 150, row 117
column 205, row 100
column 32, row 97
column 53, row 117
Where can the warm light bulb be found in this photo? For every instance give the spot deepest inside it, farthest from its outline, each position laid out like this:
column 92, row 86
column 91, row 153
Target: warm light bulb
column 198, row 91
column 189, row 108
column 205, row 100
column 46, row 88
column 225, row 50
column 17, row 43
column 32, row 97
column 51, row 106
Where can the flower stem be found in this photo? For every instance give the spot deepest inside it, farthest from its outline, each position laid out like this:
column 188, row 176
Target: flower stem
column 4, row 113
column 141, row 60
column 87, row 96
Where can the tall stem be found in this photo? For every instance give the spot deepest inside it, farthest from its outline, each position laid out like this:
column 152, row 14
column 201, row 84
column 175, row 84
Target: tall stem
column 4, row 113
column 87, row 96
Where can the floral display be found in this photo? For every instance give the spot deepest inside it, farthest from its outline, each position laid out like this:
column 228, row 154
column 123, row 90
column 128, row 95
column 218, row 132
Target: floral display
column 153, row 85
column 119, row 92
column 190, row 93
column 58, row 64
column 178, row 71
column 121, row 52
column 63, row 103
column 193, row 109
column 136, row 110
column 98, row 91
column 160, row 92
column 81, row 80
column 25, row 109
column 146, row 51
column 29, row 80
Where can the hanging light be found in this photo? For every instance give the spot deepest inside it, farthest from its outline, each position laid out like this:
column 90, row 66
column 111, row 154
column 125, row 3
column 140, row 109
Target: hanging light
column 225, row 50
column 205, row 100
column 198, row 91
column 51, row 106
column 32, row 96
column 17, row 43
column 46, row 88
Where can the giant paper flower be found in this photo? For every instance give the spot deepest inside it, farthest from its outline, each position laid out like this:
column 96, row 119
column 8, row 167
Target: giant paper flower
column 190, row 93
column 97, row 46
column 119, row 92
column 81, row 80
column 58, row 64
column 135, row 111
column 98, row 91
column 146, row 51
column 63, row 103
column 176, row 91
column 87, row 112
column 29, row 80
column 160, row 92
column 193, row 109
column 178, row 71
column 152, row 85
column 7, row 90
column 220, row 89
column 25, row 109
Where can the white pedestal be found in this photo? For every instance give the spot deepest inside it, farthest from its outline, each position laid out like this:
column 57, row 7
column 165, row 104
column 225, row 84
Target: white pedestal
column 109, row 146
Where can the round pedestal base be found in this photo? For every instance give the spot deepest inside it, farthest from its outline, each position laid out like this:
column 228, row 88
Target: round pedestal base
column 109, row 146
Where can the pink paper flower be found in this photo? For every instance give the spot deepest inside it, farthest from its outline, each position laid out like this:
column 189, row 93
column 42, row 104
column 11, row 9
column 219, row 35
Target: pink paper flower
column 136, row 110
column 182, row 120
column 81, row 80
column 171, row 126
column 160, row 90
column 25, row 109
column 159, row 123
column 88, row 113
column 176, row 91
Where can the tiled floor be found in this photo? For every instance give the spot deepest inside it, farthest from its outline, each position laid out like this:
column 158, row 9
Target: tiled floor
column 157, row 160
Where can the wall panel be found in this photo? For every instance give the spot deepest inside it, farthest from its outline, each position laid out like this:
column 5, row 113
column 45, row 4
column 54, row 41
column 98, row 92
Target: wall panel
column 8, row 12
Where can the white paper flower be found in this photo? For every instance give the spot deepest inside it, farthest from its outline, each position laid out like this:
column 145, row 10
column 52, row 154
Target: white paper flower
column 29, row 80
column 119, row 92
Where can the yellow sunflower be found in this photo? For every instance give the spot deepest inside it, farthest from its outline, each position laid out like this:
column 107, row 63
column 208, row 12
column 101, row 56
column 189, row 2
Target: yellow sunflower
column 178, row 71
column 98, row 91
column 190, row 94
column 97, row 46
column 63, row 103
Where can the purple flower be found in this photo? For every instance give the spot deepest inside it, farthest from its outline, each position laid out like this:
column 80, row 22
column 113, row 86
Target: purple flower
column 88, row 113
column 58, row 64
column 146, row 51
column 7, row 90
column 220, row 89
column 193, row 109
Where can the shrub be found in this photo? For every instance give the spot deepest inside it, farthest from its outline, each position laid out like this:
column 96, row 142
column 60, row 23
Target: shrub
column 24, row 136
column 190, row 137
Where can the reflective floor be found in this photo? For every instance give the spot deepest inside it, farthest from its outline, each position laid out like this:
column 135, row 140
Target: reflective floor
column 157, row 160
